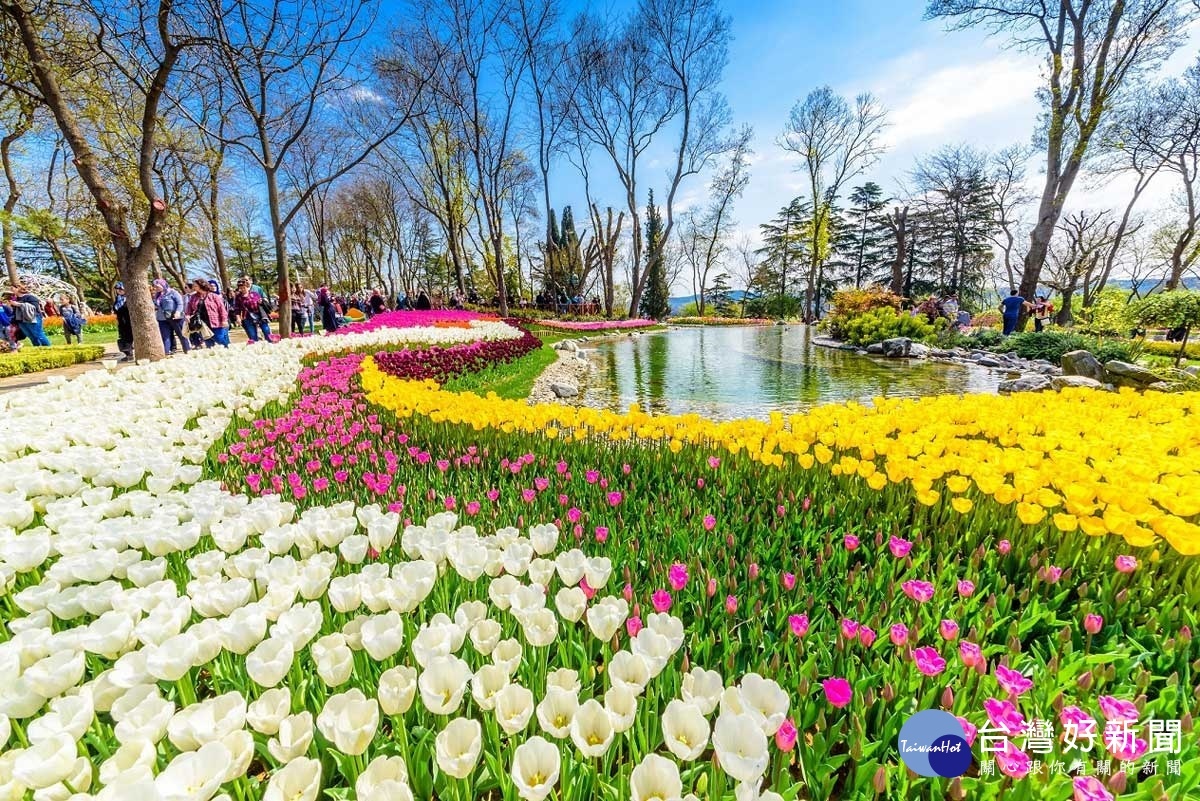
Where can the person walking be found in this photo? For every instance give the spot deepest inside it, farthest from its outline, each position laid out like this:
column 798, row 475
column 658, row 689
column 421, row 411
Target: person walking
column 169, row 311
column 207, row 315
column 329, row 316
column 1011, row 308
column 72, row 323
column 250, row 310
column 124, row 323
column 1043, row 311
column 28, row 314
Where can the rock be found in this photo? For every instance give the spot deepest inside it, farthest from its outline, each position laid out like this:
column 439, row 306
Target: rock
column 1193, row 369
column 1064, row 381
column 1045, row 368
column 1124, row 374
column 1162, row 386
column 897, row 347
column 562, row 390
column 567, row 345
column 875, row 348
column 918, row 351
column 991, row 361
column 1081, row 362
column 860, row 352
column 1026, row 383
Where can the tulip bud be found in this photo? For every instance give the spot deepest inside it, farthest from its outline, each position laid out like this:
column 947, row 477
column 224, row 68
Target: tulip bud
column 888, row 692
column 947, row 698
column 1064, row 635
column 687, row 662
column 1083, row 590
column 1122, row 596
column 956, row 789
column 1085, row 680
column 879, row 781
column 702, row 782
column 1117, row 782
column 1058, row 703
column 1185, row 633
column 1185, row 723
column 1033, row 561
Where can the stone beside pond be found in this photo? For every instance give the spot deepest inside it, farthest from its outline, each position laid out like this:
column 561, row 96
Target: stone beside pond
column 1078, row 368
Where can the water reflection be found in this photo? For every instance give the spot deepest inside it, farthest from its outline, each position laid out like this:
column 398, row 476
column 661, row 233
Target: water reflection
column 752, row 371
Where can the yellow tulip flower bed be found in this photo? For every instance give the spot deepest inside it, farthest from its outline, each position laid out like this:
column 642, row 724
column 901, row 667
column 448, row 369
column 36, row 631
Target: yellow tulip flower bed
column 1103, row 463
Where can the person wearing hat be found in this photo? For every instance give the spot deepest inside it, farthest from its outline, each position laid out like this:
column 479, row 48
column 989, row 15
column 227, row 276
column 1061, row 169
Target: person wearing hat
column 168, row 310
column 124, row 323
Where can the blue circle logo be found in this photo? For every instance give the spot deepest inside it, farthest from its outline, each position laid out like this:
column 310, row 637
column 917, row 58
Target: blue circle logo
column 933, row 743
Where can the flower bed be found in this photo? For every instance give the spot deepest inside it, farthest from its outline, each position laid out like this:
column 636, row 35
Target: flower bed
column 485, row 607
column 442, row 364
column 97, row 322
column 720, row 321
column 596, row 325
column 31, row 360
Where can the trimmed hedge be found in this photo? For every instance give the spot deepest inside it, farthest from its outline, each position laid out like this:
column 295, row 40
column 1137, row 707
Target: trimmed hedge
column 31, row 360
column 1156, row 348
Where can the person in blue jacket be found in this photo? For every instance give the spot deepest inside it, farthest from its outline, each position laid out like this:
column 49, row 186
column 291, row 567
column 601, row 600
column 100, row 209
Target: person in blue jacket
column 1010, row 308
column 72, row 322
column 168, row 309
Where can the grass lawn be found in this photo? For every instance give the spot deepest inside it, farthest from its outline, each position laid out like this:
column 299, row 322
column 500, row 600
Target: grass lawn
column 511, row 381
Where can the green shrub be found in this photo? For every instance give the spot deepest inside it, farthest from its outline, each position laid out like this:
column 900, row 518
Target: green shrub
column 31, row 360
column 1171, row 349
column 852, row 304
column 1051, row 345
column 1109, row 315
column 885, row 323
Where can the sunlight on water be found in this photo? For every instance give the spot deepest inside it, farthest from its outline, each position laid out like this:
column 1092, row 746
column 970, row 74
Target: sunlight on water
column 749, row 372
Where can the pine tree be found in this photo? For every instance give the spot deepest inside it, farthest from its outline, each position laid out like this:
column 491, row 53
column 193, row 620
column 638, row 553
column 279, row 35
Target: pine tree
column 719, row 295
column 655, row 302
column 868, row 237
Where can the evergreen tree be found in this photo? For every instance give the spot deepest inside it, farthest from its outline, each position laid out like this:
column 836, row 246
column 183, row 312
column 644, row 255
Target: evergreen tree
column 784, row 252
column 867, row 236
column 563, row 261
column 655, row 301
column 719, row 296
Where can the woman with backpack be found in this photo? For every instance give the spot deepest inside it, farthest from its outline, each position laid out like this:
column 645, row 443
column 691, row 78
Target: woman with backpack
column 169, row 311
column 207, row 315
column 27, row 313
column 251, row 309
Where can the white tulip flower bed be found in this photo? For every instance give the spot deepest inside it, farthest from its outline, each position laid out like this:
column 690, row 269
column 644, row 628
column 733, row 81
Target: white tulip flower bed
column 165, row 639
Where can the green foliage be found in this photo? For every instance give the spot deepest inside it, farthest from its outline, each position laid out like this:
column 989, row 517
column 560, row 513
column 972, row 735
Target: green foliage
column 885, row 323
column 31, row 360
column 510, row 380
column 1174, row 309
column 983, row 339
column 849, row 304
column 1109, row 315
column 688, row 310
column 1192, row 351
column 655, row 304
column 1051, row 345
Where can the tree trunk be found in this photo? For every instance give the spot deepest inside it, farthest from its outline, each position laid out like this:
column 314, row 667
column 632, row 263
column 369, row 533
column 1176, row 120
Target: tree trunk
column 281, row 262
column 14, row 192
column 1064, row 317
column 1178, row 263
column 899, row 225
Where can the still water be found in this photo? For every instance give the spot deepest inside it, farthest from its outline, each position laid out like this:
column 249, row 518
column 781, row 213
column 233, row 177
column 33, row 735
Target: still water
column 749, row 372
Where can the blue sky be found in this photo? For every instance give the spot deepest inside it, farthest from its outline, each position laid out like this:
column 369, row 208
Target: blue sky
column 939, row 86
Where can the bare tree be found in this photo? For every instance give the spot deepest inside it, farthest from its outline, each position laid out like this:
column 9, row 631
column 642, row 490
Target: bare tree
column 1094, row 52
column 1182, row 148
column 293, row 83
column 1076, row 255
column 631, row 81
column 834, row 142
column 705, row 238
column 1009, row 197
column 898, row 223
column 745, row 267
column 141, row 51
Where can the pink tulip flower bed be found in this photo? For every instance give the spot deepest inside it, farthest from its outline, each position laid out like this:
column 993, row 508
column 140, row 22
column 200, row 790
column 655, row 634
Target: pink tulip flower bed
column 595, row 325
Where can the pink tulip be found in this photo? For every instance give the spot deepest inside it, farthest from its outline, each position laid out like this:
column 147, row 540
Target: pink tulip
column 633, row 625
column 1050, row 574
column 849, row 628
column 574, row 514
column 1093, row 623
column 786, row 735
column 711, row 589
column 699, row 483
column 1013, row 682
column 966, row 588
column 614, row 498
column 731, row 603
column 929, row 661
column 789, row 581
column 919, row 591
column 948, row 629
column 780, row 510
column 837, row 692
column 1004, row 546
column 753, row 571
column 899, row 547
column 677, row 576
column 1005, row 715
column 1126, row 564
column 1012, row 761
column 807, row 503
column 866, row 635
column 898, row 634
column 710, row 522
column 851, row 542
column 798, row 624
column 714, row 462
column 450, row 502
column 1089, row 788
column 627, row 592
column 601, row 533
column 626, row 469
column 472, row 508
column 493, row 495
column 661, row 600
column 1118, row 709
column 528, row 495
column 588, row 592
column 969, row 730
column 971, row 654
column 560, row 468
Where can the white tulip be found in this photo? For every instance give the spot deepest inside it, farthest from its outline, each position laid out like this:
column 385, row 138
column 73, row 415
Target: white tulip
column 652, row 648
column 541, row 571
column 571, row 603
column 540, row 628
column 765, row 700
column 443, row 683
column 349, row 720
column 685, row 730
column 45, row 763
column 592, row 729
column 397, row 688
column 628, row 670
column 668, row 626
column 514, row 708
column 53, row 675
column 556, row 710
column 270, row 661
column 271, row 707
column 500, row 591
column 702, row 688
column 299, row 780
column 606, row 616
column 597, row 570
column 566, row 678
column 293, row 738
column 240, row 744
column 487, row 681
column 507, row 653
column 458, row 746
column 571, row 565
column 194, row 775
column 345, row 593
column 536, row 765
column 385, row 779
column 484, row 636
column 655, row 778
column 243, row 629
column 741, row 746
column 470, row 613
column 334, row 659
column 543, row 538
column 135, row 758
column 621, row 705
column 382, row 635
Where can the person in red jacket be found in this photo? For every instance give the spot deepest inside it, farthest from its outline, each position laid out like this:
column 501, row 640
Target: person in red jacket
column 207, row 309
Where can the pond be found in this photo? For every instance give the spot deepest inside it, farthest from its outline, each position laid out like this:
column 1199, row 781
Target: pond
column 750, row 371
